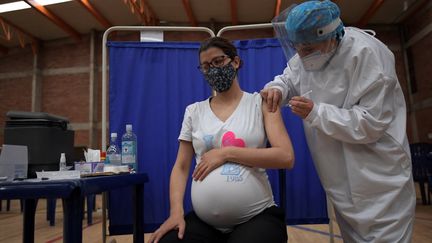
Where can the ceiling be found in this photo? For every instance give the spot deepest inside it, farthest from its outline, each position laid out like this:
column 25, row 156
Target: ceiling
column 75, row 18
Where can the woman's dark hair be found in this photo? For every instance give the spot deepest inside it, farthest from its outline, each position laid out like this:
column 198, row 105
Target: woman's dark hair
column 225, row 45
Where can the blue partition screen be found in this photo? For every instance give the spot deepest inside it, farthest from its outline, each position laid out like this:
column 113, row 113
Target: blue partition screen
column 150, row 86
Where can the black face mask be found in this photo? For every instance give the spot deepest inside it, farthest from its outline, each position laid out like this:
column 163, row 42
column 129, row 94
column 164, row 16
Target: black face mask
column 220, row 78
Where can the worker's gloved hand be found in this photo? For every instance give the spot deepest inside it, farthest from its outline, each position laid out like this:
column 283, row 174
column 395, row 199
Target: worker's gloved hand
column 301, row 106
column 272, row 97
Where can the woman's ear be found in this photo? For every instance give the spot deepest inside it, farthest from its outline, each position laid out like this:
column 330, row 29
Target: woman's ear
column 237, row 62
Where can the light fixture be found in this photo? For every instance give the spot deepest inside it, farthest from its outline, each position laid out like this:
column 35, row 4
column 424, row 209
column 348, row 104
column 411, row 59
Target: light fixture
column 19, row 5
column 13, row 6
column 49, row 2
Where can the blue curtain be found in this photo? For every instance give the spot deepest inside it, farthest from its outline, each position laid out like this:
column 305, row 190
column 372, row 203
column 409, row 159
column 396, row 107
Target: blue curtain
column 150, row 86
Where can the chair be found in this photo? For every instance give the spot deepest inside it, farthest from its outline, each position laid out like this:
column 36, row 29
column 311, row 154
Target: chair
column 77, row 155
column 429, row 188
column 7, row 205
column 51, row 206
column 429, row 161
column 421, row 154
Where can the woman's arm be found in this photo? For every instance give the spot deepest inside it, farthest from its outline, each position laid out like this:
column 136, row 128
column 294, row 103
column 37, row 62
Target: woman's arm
column 279, row 155
column 179, row 176
column 178, row 180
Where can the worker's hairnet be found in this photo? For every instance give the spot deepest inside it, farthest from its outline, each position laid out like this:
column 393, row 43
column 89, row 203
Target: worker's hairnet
column 314, row 21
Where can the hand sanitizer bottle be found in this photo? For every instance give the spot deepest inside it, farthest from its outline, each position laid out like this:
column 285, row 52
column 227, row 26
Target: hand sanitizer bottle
column 113, row 152
column 62, row 164
column 129, row 149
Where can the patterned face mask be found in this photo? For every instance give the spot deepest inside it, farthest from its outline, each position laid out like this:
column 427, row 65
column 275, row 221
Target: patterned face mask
column 220, row 78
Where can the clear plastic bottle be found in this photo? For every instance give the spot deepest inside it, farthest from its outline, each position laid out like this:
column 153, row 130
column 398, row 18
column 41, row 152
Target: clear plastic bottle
column 113, row 154
column 129, row 149
column 62, row 164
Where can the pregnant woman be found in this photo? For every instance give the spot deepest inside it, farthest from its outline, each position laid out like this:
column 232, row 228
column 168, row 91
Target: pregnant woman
column 228, row 133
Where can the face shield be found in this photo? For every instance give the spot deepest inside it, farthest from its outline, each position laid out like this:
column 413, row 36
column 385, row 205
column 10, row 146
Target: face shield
column 312, row 30
column 278, row 24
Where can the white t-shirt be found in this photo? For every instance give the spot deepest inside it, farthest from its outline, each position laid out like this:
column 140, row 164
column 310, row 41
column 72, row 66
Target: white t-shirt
column 231, row 194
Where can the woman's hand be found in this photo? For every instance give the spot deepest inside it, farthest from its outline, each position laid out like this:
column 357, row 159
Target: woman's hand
column 173, row 222
column 209, row 161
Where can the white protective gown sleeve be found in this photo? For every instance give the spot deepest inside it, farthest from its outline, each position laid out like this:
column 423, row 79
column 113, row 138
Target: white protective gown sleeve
column 356, row 135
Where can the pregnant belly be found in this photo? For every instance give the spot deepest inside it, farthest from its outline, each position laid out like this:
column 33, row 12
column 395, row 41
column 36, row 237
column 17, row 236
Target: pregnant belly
column 231, row 195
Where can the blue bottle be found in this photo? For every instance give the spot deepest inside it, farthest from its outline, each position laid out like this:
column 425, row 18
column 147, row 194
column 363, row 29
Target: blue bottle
column 129, row 149
column 113, row 153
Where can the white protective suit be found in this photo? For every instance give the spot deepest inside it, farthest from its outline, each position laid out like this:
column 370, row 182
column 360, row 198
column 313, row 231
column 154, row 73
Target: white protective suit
column 356, row 134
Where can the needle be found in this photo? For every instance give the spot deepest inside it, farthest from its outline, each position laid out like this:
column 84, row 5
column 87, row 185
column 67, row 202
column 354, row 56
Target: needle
column 303, row 95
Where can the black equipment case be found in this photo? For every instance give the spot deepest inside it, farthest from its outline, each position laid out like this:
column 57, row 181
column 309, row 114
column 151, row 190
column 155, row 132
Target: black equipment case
column 45, row 135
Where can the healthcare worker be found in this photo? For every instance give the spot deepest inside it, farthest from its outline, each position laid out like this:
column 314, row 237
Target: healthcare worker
column 342, row 82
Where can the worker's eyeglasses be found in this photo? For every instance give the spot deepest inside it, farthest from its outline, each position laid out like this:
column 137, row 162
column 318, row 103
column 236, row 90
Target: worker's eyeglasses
column 215, row 62
column 305, row 49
